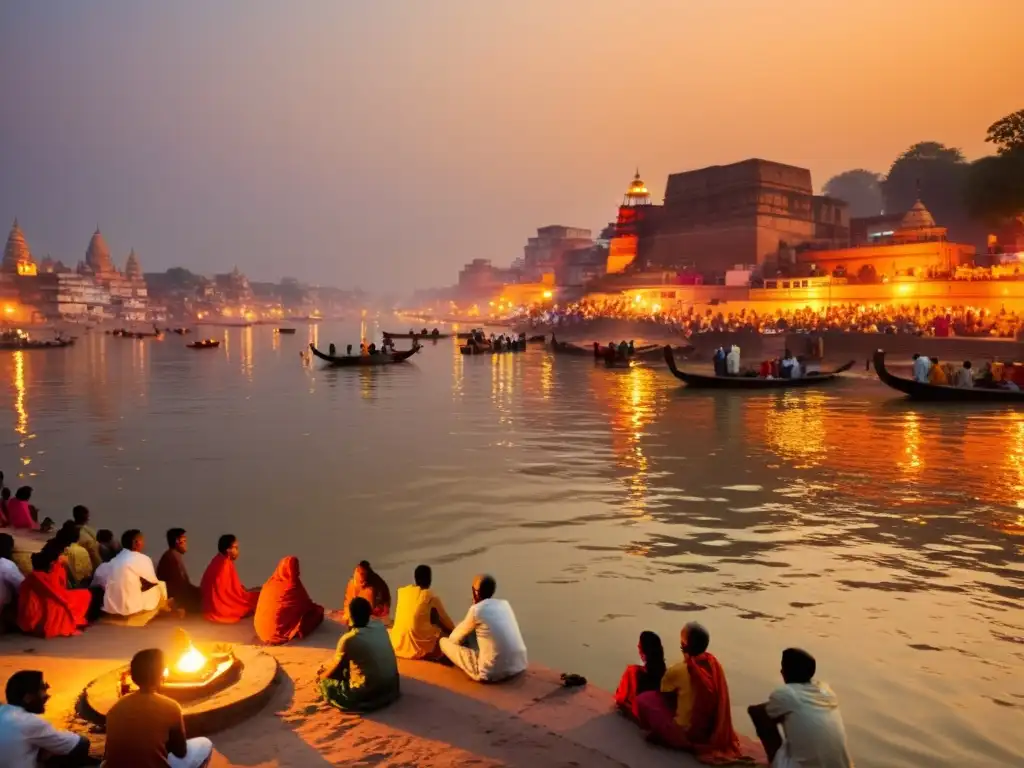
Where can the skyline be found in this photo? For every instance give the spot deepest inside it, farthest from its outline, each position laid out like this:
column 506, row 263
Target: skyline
column 383, row 147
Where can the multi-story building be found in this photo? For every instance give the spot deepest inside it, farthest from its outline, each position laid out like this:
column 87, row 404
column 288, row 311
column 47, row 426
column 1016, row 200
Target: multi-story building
column 480, row 279
column 546, row 252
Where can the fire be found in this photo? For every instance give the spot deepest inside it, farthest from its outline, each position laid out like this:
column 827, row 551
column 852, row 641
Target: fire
column 190, row 662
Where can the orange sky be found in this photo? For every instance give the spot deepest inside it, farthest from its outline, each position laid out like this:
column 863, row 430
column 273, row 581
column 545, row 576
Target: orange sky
column 386, row 145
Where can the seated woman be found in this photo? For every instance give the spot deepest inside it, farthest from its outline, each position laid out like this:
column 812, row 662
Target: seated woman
column 364, row 676
column 367, row 584
column 46, row 607
column 641, row 678
column 21, row 514
column 285, row 611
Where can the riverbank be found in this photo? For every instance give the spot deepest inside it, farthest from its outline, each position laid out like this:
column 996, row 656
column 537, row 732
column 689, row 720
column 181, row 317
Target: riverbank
column 442, row 720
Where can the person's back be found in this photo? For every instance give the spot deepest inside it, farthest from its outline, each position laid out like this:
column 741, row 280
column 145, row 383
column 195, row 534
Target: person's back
column 373, row 667
column 964, row 378
column 815, row 734
column 139, row 726
column 502, row 650
column 414, row 634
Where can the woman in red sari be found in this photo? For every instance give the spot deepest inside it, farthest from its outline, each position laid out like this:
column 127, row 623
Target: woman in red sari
column 640, row 678
column 285, row 611
column 46, row 607
column 225, row 600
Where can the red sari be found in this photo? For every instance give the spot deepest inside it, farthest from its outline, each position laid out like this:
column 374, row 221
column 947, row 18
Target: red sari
column 225, row 600
column 47, row 608
column 375, row 592
column 285, row 611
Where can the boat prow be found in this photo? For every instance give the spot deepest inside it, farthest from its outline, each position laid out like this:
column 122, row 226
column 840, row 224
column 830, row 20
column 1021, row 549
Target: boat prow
column 917, row 390
column 704, row 381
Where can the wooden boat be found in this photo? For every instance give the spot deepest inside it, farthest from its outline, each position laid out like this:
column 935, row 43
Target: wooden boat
column 286, row 331
column 490, row 349
column 180, row 331
column 429, row 336
column 124, row 333
column 751, row 382
column 476, row 333
column 203, row 344
column 917, row 390
column 23, row 342
column 617, row 362
column 567, row 348
column 381, row 358
column 540, row 338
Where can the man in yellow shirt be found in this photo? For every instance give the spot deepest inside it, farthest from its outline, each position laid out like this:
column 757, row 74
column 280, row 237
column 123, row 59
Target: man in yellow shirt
column 420, row 619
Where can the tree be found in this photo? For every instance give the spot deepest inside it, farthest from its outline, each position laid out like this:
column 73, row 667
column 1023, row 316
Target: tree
column 867, row 274
column 860, row 189
column 994, row 188
column 937, row 174
column 1007, row 134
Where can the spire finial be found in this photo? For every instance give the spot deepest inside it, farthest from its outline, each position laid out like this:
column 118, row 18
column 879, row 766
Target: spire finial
column 15, row 224
column 917, row 186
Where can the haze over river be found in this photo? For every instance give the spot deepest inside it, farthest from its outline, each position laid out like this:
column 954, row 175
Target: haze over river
column 884, row 537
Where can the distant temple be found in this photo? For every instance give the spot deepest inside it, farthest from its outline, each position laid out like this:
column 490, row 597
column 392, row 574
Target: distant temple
column 132, row 268
column 17, row 256
column 97, row 257
column 635, row 211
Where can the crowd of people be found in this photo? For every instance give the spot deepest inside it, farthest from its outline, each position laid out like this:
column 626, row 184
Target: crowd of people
column 76, row 578
column 992, row 375
column 853, row 318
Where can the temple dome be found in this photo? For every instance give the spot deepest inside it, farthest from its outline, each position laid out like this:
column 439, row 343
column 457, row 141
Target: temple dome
column 637, row 194
column 97, row 255
column 132, row 268
column 918, row 217
column 17, row 256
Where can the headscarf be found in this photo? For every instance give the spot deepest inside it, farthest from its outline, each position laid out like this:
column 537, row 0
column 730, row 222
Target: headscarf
column 283, row 603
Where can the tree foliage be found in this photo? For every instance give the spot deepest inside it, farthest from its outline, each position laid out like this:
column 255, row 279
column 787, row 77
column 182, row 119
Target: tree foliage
column 860, row 189
column 1008, row 134
column 994, row 188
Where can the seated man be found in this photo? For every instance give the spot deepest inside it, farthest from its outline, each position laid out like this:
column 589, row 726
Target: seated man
column 225, row 600
column 809, row 714
column 132, row 585
column 420, row 619
column 108, row 546
column 691, row 711
column 365, row 672
column 490, row 626
column 24, row 733
column 76, row 557
column 171, row 570
column 146, row 729
column 11, row 578
column 87, row 537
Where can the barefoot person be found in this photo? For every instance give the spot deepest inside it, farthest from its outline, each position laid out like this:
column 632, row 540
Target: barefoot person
column 364, row 676
column 46, row 607
column 643, row 677
column 808, row 712
column 25, row 737
column 146, row 729
column 285, row 610
column 692, row 711
column 225, row 600
column 369, row 585
column 172, row 571
column 487, row 645
column 420, row 619
column 131, row 584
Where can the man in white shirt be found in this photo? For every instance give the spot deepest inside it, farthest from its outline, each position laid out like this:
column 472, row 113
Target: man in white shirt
column 24, row 734
column 964, row 377
column 10, row 576
column 498, row 651
column 922, row 366
column 809, row 714
column 132, row 586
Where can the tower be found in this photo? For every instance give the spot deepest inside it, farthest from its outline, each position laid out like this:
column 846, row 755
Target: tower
column 97, row 256
column 636, row 205
column 17, row 256
column 132, row 268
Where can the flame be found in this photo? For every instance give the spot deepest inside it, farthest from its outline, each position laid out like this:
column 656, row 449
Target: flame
column 190, row 662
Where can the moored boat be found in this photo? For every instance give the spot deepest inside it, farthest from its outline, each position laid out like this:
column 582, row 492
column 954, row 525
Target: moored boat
column 705, row 381
column 203, row 344
column 180, row 331
column 15, row 340
column 424, row 334
column 917, row 390
column 540, row 338
column 379, row 358
column 286, row 331
column 568, row 348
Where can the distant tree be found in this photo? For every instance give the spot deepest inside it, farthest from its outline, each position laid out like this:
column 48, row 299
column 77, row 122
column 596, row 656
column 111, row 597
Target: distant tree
column 994, row 188
column 867, row 274
column 860, row 189
column 1007, row 134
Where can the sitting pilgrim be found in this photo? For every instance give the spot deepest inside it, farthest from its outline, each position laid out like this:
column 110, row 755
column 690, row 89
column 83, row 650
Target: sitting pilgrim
column 130, row 584
column 369, row 585
column 172, row 571
column 364, row 676
column 225, row 600
column 420, row 619
column 285, row 611
column 146, row 729
column 691, row 711
column 487, row 645
column 26, row 738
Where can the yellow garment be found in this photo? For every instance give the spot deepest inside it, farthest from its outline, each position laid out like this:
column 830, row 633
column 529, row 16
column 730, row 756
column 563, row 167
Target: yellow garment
column 412, row 634
column 937, row 376
column 997, row 371
column 677, row 681
column 79, row 563
column 87, row 540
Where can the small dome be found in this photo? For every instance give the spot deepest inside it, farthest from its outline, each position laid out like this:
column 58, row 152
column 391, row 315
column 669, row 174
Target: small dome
column 918, row 217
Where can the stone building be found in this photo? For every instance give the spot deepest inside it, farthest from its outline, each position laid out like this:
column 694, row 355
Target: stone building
column 17, row 256
column 635, row 213
column 744, row 213
column 545, row 253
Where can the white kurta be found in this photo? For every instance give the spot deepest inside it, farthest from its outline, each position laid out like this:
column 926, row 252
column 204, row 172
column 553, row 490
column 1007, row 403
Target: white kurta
column 501, row 651
column 123, row 595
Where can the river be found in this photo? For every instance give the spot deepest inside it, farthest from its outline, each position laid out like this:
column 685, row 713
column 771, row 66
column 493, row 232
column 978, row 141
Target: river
column 884, row 537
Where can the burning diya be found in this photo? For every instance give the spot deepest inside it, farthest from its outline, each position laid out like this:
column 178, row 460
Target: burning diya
column 218, row 685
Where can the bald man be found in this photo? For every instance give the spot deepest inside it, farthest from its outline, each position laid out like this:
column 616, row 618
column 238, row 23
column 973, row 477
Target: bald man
column 487, row 644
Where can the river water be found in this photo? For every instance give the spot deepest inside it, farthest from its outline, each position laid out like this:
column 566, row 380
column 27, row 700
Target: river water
column 883, row 536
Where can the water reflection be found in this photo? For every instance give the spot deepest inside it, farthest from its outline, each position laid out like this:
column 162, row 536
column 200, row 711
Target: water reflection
column 21, row 426
column 794, row 427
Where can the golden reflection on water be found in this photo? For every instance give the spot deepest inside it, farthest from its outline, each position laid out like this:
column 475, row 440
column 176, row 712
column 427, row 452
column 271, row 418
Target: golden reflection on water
column 635, row 408
column 547, row 377
column 1013, row 450
column 247, row 352
column 911, row 461
column 21, row 427
column 794, row 427
column 503, row 371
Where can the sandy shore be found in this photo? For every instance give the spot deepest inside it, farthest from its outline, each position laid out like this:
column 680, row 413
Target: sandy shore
column 442, row 719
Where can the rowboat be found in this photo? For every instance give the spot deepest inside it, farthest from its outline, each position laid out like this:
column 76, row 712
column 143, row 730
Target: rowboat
column 567, row 348
column 286, row 331
column 917, row 390
column 704, row 381
column 540, row 338
column 381, row 358
column 203, row 344
column 414, row 335
column 490, row 349
column 27, row 343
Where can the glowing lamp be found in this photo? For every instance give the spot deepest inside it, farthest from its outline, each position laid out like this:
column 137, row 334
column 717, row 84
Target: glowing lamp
column 548, row 294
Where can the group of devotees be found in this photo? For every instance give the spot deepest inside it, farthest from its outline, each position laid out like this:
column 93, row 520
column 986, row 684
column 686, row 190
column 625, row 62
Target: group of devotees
column 80, row 575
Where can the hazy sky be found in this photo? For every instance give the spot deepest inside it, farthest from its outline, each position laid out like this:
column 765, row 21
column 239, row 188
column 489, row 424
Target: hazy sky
column 384, row 143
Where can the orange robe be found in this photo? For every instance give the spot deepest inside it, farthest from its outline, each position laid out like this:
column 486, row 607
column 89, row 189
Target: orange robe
column 47, row 608
column 285, row 611
column 375, row 592
column 225, row 600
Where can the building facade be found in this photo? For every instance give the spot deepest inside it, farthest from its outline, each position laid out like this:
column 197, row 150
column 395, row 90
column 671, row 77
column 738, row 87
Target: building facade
column 634, row 214
column 546, row 251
